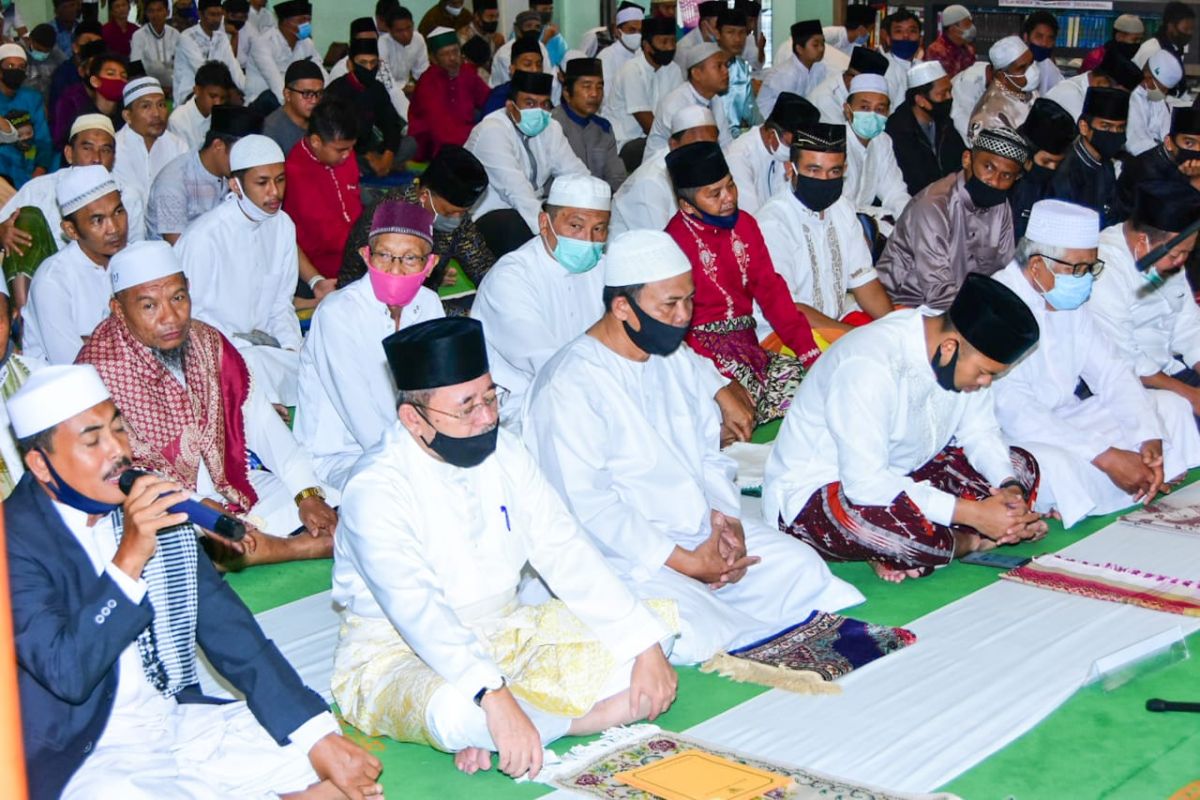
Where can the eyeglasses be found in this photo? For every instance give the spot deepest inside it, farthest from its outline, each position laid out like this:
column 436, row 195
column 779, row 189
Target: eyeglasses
column 492, row 400
column 409, row 261
column 1080, row 269
column 308, row 94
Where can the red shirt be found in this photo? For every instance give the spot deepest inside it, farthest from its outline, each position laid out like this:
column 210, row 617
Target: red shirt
column 953, row 57
column 324, row 203
column 117, row 40
column 444, row 109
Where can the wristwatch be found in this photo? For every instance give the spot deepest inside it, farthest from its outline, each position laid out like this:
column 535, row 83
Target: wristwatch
column 312, row 491
column 488, row 690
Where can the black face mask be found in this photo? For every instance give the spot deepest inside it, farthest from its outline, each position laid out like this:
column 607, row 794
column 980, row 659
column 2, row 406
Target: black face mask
column 12, row 78
column 545, row 16
column 1108, row 143
column 1182, row 155
column 236, row 24
column 532, row 35
column 1040, row 174
column 940, row 111
column 1127, row 49
column 489, row 27
column 984, row 196
column 364, row 75
column 818, row 194
column 656, row 338
column 945, row 375
column 463, row 451
column 662, row 57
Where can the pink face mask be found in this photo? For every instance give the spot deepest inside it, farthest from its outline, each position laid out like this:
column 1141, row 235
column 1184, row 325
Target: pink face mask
column 397, row 290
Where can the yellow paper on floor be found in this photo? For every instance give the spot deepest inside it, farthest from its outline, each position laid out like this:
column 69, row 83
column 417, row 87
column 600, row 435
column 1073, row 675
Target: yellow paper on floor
column 696, row 775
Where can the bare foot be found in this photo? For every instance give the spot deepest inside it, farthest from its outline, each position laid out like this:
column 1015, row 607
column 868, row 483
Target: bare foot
column 472, row 760
column 892, row 575
column 325, row 790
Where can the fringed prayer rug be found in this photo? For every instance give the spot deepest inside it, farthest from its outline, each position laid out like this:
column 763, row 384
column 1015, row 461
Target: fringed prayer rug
column 1111, row 582
column 806, row 658
column 591, row 769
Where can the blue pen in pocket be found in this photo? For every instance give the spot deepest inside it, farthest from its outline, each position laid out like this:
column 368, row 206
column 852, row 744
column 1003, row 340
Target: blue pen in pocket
column 504, row 511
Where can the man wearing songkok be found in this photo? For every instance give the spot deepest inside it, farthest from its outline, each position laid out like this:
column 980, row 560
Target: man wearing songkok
column 741, row 107
column 926, row 145
column 705, row 31
column 1040, row 31
column 589, row 134
column 69, row 293
column 528, row 26
column 526, row 56
column 197, row 181
column 760, row 159
column 1127, row 33
column 251, row 307
column 815, row 239
column 405, row 51
column 1112, row 449
column 155, row 42
column 799, row 73
column 381, row 146
column 206, row 41
column 447, row 100
column 830, row 96
column 1175, row 160
column 953, row 48
column 192, row 412
column 364, row 28
column 1088, row 175
column 891, row 453
column 1149, row 112
column 144, row 146
column 733, row 271
column 755, row 51
column 627, row 34
column 15, row 97
column 438, row 522
column 484, row 26
column 1150, row 315
column 646, row 200
column 190, row 121
column 1050, row 131
column 523, row 149
column 900, row 39
column 706, row 77
column 960, row 224
column 110, row 598
column 545, row 293
column 272, row 52
column 303, row 87
column 622, row 416
column 874, row 182
column 347, row 400
column 637, row 88
column 1004, row 95
column 1115, row 72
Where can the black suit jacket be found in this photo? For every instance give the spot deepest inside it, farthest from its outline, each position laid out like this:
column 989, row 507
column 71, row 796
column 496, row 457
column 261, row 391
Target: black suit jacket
column 920, row 162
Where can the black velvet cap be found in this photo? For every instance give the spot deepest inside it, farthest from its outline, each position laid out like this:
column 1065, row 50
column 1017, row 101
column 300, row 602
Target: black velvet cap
column 710, row 8
column 1167, row 205
column 1106, row 104
column 236, row 121
column 993, row 319
column 293, row 8
column 859, row 15
column 732, row 17
column 1049, row 127
column 437, row 352
column 753, row 8
column 819, row 137
column 1121, row 69
column 1186, row 121
column 360, row 47
column 581, row 67
column 456, row 175
column 522, row 45
column 866, row 60
column 793, row 111
column 696, row 164
column 485, row 5
column 362, row 25
column 803, row 30
column 538, row 83
column 657, row 26
column 204, row 5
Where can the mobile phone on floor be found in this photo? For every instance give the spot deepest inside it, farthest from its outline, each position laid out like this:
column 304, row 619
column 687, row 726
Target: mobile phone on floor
column 996, row 560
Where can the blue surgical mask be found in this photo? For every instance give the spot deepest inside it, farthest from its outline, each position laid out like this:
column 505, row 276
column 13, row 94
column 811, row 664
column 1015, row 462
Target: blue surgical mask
column 577, row 256
column 38, row 55
column 868, row 124
column 723, row 222
column 304, row 31
column 904, row 49
column 68, row 495
column 861, row 41
column 533, row 121
column 1069, row 292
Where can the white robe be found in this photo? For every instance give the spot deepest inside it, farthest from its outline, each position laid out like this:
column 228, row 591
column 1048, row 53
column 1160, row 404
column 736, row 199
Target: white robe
column 614, row 57
column 270, row 57
column 788, row 75
column 678, row 98
column 646, row 200
column 897, row 77
column 42, row 192
column 868, row 414
column 968, row 87
column 1070, row 92
column 157, row 54
column 829, row 96
column 530, row 306
column 1038, row 409
column 242, row 277
column 1149, row 122
column 134, row 165
column 68, row 298
column 872, row 173
column 618, row 437
column 347, row 396
column 637, row 87
column 188, row 124
column 756, row 173
column 196, row 47
column 262, row 19
column 1050, row 76
column 502, row 63
column 406, row 63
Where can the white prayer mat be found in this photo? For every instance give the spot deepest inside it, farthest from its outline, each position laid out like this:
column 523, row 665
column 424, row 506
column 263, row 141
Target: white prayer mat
column 751, row 462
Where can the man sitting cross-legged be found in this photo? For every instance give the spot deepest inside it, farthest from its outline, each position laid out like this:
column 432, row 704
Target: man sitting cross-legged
column 438, row 521
column 192, row 412
column 623, row 417
column 891, row 453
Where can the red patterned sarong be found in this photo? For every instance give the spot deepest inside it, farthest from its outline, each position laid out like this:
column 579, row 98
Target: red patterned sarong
column 770, row 378
column 899, row 535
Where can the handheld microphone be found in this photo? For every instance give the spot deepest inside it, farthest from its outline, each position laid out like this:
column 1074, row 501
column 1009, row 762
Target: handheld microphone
column 210, row 519
column 1155, row 704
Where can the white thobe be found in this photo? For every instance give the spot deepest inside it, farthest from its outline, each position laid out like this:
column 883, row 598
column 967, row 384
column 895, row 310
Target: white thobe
column 1070, row 92
column 750, row 54
column 680, row 97
column 637, row 87
column 829, row 96
column 589, row 43
column 68, row 298
column 1150, row 326
column 1149, row 122
column 42, row 192
column 395, row 90
column 897, row 78
column 868, row 414
column 820, row 256
column 262, row 19
column 690, row 39
column 618, row 437
column 1038, row 410
column 530, row 306
column 756, row 173
column 189, row 124
column 406, row 63
column 270, row 56
column 1050, row 76
column 347, row 395
column 157, row 53
column 196, row 47
column 502, row 63
column 838, row 48
column 520, row 168
column 615, row 56
column 788, row 75
column 136, row 166
column 872, row 174
column 646, row 200
column 968, row 87
column 217, row 252
column 438, row 551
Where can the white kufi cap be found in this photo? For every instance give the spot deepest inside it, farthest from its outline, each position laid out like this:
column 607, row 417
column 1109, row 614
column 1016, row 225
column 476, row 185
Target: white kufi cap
column 254, row 150
column 868, row 82
column 580, row 191
column 1056, row 222
column 953, row 15
column 1006, row 51
column 140, row 87
column 79, row 186
column 11, row 50
column 692, row 116
column 92, row 122
column 643, row 256
column 691, row 56
column 142, row 262
column 924, row 73
column 1165, row 68
column 52, row 395
column 1129, row 23
column 629, row 15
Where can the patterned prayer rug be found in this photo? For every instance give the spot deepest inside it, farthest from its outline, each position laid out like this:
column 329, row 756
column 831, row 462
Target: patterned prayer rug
column 806, row 658
column 1111, row 582
column 591, row 769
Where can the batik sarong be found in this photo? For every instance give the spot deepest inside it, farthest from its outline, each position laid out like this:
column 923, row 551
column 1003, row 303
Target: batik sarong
column 770, row 378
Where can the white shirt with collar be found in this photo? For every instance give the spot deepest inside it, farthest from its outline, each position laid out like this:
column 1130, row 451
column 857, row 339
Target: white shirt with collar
column 637, row 87
column 68, row 298
column 897, row 77
column 829, row 97
column 194, row 48
column 189, row 124
column 136, row 166
column 1050, row 75
column 1070, row 93
column 683, row 96
column 756, row 173
column 156, row 52
column 646, row 200
column 615, row 56
column 788, row 75
column 873, row 173
column 1149, row 122
column 270, row 56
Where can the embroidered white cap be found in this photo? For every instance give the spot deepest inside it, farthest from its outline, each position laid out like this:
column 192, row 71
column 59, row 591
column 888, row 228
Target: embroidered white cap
column 924, row 73
column 630, row 14
column 92, row 122
column 52, row 395
column 1165, row 69
column 868, row 82
column 254, row 150
column 691, row 56
column 1057, row 222
column 580, row 191
column 11, row 50
column 141, row 87
column 1006, row 51
column 79, row 186
column 142, row 262
column 692, row 116
column 643, row 256
column 953, row 15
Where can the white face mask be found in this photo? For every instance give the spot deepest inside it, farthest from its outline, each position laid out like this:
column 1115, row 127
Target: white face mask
column 455, row 10
column 247, row 206
column 632, row 41
column 782, row 153
column 1155, row 95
